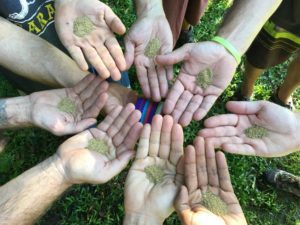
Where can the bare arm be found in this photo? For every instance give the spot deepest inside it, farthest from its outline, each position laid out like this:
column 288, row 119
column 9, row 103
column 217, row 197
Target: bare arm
column 244, row 20
column 34, row 58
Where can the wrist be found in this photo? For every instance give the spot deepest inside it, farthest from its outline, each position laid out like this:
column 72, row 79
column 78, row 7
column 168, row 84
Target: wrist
column 18, row 111
column 141, row 219
column 145, row 8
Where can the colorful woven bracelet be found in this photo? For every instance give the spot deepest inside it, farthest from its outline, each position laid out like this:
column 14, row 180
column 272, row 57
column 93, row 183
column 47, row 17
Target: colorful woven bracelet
column 148, row 109
column 229, row 47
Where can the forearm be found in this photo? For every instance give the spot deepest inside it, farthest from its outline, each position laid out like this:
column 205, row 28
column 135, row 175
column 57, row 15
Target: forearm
column 244, row 21
column 15, row 112
column 148, row 7
column 138, row 219
column 24, row 199
column 34, row 58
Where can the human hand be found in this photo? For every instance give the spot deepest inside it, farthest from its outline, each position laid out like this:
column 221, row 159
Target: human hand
column 227, row 131
column 206, row 174
column 100, row 46
column 85, row 100
column 161, row 145
column 152, row 78
column 186, row 100
column 119, row 131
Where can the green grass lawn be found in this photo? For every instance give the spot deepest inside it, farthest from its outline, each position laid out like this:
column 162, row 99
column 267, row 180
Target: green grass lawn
column 103, row 204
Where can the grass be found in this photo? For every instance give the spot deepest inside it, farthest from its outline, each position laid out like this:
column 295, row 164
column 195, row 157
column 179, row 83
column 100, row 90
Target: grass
column 103, row 204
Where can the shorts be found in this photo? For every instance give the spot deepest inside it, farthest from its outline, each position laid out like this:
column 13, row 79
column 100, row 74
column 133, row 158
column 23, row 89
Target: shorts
column 272, row 46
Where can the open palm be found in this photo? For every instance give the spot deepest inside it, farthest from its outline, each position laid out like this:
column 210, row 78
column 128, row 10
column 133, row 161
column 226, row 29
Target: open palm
column 119, row 130
column 152, row 78
column 88, row 97
column 227, row 131
column 99, row 47
column 207, row 171
column 187, row 100
column 161, row 144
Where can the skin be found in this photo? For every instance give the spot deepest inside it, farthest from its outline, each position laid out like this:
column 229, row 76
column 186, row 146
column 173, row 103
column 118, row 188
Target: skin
column 160, row 144
column 151, row 23
column 206, row 170
column 100, row 47
column 186, row 101
column 227, row 131
column 72, row 164
column 41, row 108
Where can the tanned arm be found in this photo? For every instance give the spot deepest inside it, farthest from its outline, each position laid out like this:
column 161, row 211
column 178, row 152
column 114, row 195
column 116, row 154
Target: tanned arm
column 34, row 58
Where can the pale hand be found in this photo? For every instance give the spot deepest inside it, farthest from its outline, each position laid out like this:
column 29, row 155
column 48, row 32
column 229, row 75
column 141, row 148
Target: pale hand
column 152, row 78
column 100, row 47
column 205, row 170
column 227, row 131
column 120, row 130
column 186, row 100
column 89, row 97
column 161, row 144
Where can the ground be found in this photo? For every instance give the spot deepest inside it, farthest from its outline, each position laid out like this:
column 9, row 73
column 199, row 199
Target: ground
column 103, row 204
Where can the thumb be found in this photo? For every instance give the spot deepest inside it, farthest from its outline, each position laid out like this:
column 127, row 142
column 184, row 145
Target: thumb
column 129, row 52
column 182, row 206
column 174, row 57
column 118, row 164
column 114, row 22
column 82, row 125
column 244, row 107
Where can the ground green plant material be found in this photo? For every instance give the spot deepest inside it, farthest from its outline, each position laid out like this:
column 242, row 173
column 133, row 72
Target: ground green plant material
column 256, row 132
column 67, row 105
column 98, row 145
column 152, row 49
column 83, row 25
column 214, row 204
column 155, row 174
column 204, row 78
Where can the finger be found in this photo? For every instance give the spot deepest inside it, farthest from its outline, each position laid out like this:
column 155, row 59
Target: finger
column 205, row 106
column 165, row 137
column 108, row 62
column 244, row 107
column 93, row 57
column 173, row 96
column 85, row 82
column 163, row 81
column 79, row 126
column 193, row 105
column 131, row 120
column 224, row 177
column 217, row 142
column 201, row 162
column 129, row 53
column 89, row 91
column 172, row 58
column 131, row 139
column 110, row 118
column 176, row 144
column 181, row 105
column 120, row 120
column 154, row 84
column 241, row 149
column 115, row 166
column 117, row 53
column 170, row 74
column 143, row 147
column 190, row 169
column 94, row 110
column 222, row 120
column 114, row 22
column 182, row 201
column 78, row 57
column 211, row 165
column 156, row 126
column 224, row 131
column 142, row 76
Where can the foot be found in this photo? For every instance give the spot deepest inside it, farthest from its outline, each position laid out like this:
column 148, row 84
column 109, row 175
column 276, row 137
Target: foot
column 186, row 36
column 238, row 96
column 283, row 180
column 275, row 98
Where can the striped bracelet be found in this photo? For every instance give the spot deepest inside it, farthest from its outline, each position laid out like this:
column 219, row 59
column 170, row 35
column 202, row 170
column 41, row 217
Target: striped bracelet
column 148, row 109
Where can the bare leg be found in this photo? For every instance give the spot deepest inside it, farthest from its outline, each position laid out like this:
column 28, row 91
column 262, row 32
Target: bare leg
column 251, row 75
column 291, row 81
